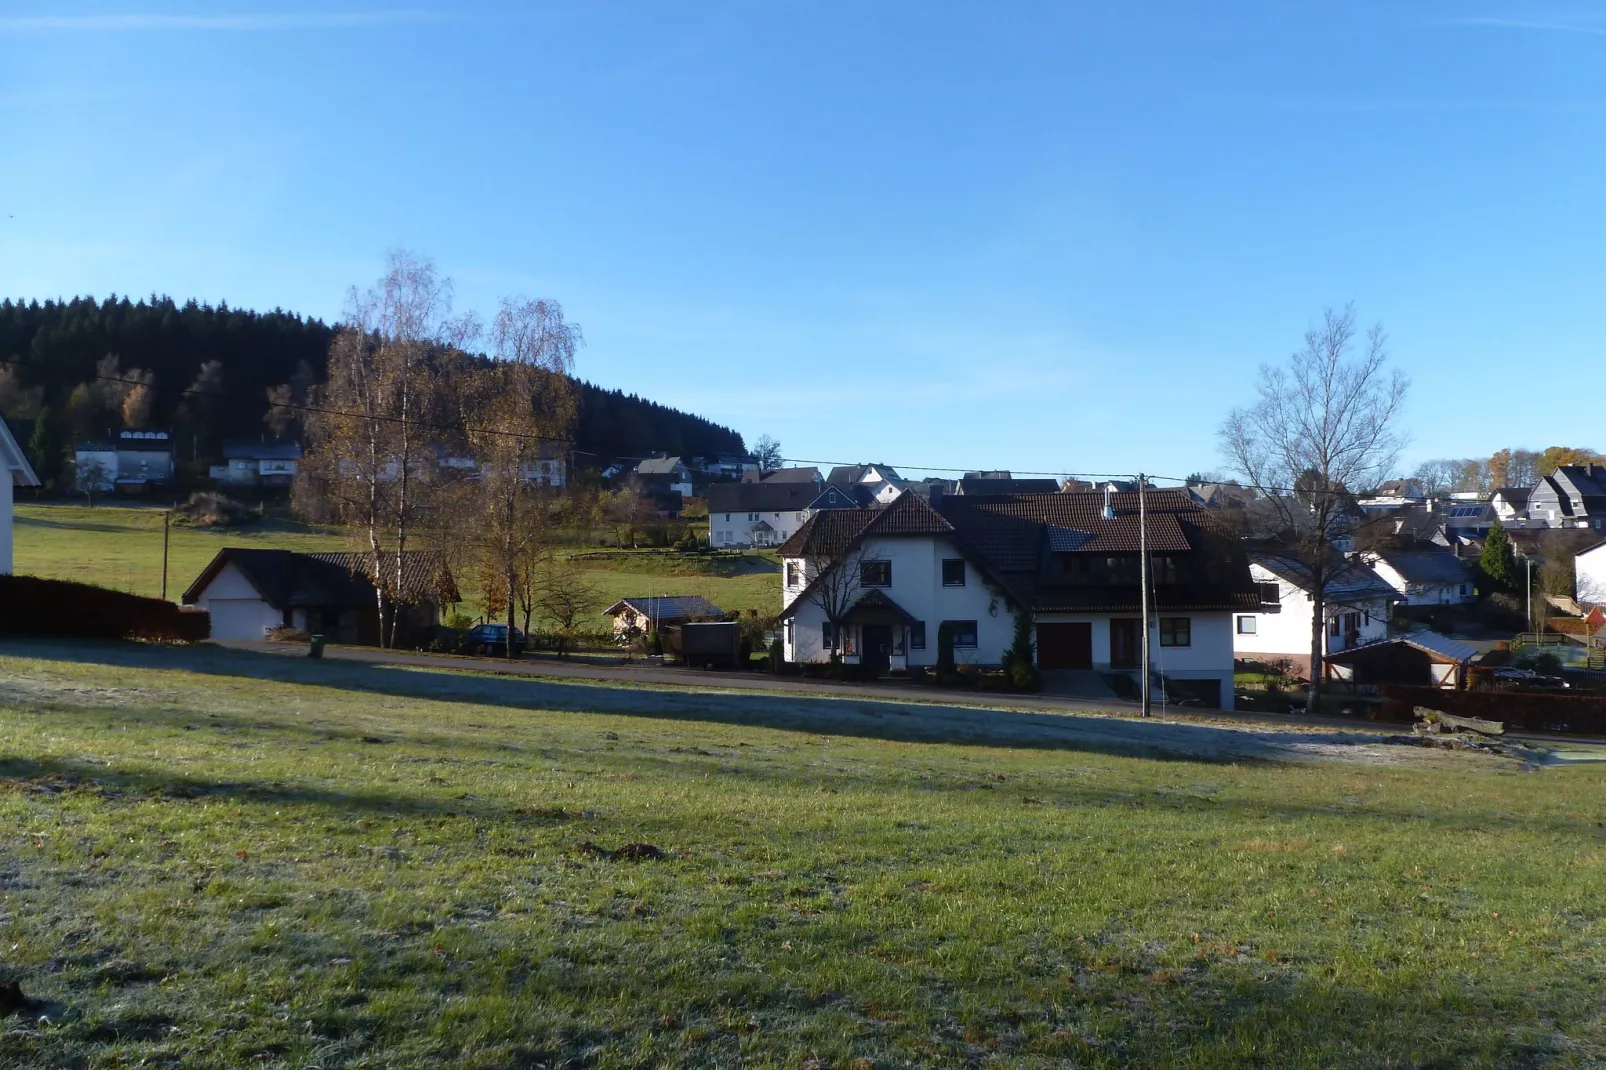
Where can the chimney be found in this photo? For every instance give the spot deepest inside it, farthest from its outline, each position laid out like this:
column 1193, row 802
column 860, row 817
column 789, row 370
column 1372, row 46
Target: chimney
column 1109, row 502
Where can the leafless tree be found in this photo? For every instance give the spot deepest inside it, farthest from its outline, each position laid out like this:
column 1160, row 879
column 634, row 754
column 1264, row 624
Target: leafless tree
column 564, row 596
column 1437, row 478
column 836, row 586
column 767, row 451
column 1319, row 426
column 377, row 420
column 524, row 409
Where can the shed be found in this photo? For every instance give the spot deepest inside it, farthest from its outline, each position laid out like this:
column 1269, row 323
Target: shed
column 1425, row 659
column 656, row 611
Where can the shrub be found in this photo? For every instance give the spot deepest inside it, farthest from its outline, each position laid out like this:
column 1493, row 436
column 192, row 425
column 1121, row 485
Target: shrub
column 33, row 606
column 1020, row 662
column 775, row 655
column 458, row 622
column 947, row 673
column 288, row 635
column 207, row 508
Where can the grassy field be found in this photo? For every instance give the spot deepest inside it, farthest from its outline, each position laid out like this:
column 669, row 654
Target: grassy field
column 120, row 546
column 212, row 858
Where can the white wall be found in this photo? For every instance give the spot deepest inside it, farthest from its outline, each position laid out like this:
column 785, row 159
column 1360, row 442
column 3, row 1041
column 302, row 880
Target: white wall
column 6, row 520
column 917, row 587
column 237, row 609
column 1446, row 594
column 1589, row 572
column 1287, row 633
column 736, row 529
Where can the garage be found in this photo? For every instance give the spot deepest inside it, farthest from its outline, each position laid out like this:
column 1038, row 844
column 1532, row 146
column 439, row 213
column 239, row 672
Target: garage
column 1065, row 646
column 242, row 618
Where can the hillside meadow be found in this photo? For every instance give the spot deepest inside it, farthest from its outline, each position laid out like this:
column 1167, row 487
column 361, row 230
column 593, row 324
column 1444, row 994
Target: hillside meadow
column 120, row 546
column 213, row 858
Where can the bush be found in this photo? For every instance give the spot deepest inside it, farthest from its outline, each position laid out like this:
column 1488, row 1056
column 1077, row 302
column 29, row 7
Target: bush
column 947, row 672
column 458, row 622
column 288, row 635
column 207, row 508
column 775, row 655
column 33, row 606
column 1020, row 661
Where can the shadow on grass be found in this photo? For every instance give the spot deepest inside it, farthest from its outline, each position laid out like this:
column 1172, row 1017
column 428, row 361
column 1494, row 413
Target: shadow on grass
column 858, row 717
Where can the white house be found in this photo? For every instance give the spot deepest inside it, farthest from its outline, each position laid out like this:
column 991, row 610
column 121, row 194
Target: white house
column 15, row 471
column 1424, row 578
column 251, row 463
column 757, row 514
column 1069, row 562
column 1394, row 494
column 1589, row 575
column 134, row 461
column 1355, row 612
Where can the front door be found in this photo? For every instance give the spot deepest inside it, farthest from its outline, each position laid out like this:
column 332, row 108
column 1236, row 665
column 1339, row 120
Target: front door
column 1124, row 642
column 876, row 643
column 1065, row 646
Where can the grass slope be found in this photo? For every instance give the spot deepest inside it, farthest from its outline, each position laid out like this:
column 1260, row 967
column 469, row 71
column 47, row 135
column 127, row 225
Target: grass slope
column 218, row 859
column 120, row 546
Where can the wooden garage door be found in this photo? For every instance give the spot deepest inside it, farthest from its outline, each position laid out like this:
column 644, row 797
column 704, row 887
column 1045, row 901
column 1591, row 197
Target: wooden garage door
column 1065, row 646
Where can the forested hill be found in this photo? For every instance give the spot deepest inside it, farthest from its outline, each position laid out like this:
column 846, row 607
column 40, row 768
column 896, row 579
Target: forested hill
column 52, row 347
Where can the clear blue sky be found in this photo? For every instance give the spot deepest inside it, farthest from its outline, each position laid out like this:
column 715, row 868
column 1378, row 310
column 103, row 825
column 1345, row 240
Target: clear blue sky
column 1040, row 236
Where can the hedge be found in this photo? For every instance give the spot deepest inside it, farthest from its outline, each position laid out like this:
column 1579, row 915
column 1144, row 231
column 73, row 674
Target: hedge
column 33, row 606
column 1522, row 711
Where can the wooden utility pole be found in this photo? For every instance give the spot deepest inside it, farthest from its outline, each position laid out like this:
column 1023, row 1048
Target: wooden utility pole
column 1143, row 573
column 167, row 516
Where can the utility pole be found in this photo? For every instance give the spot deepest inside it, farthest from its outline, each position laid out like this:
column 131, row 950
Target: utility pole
column 1529, row 561
column 167, row 515
column 1143, row 573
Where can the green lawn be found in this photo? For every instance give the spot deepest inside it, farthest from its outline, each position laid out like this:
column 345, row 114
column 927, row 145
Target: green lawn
column 120, row 546
column 212, row 858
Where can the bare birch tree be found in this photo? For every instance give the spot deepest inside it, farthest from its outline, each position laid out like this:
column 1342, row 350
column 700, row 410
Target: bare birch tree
column 1319, row 428
column 837, row 587
column 523, row 409
column 377, row 422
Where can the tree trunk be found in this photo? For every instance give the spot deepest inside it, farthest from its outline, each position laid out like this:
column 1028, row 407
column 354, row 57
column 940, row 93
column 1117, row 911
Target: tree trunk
column 1317, row 627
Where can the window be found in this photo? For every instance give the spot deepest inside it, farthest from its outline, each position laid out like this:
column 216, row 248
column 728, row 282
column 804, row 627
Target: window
column 1247, row 626
column 1163, row 570
column 1270, row 594
column 964, row 632
column 1176, row 631
column 727, row 518
column 791, row 631
column 917, row 635
column 793, row 573
column 953, row 572
column 826, row 635
column 1333, row 627
column 875, row 574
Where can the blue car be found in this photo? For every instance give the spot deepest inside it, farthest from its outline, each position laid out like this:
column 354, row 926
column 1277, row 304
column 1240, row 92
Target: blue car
column 491, row 639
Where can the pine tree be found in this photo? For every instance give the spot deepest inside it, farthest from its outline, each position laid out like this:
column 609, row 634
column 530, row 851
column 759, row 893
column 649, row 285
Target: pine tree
column 44, row 448
column 1497, row 560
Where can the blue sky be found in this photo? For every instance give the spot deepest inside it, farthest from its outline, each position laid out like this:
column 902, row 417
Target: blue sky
column 1048, row 237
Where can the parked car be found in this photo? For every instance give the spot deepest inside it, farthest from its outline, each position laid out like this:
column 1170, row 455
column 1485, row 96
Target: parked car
column 491, row 639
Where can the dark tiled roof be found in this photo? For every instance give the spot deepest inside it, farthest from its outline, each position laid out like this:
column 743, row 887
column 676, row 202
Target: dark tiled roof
column 668, row 607
column 1344, row 581
column 853, row 473
column 1006, row 485
column 760, row 497
column 287, row 580
column 1428, row 567
column 1514, row 495
column 788, row 475
column 262, row 451
column 827, row 533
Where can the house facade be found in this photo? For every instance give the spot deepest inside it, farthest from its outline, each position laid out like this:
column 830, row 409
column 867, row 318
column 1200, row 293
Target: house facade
column 1589, row 575
column 892, row 577
column 1424, row 578
column 1355, row 612
column 250, row 592
column 1573, row 496
column 249, row 464
column 131, row 463
column 15, row 471
column 757, row 514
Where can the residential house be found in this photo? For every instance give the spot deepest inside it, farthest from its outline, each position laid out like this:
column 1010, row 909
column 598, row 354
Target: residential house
column 1468, row 520
column 1422, row 659
column 783, row 475
column 669, row 472
column 1393, row 494
column 15, row 471
column 658, row 611
column 1589, row 575
column 1510, row 503
column 882, row 480
column 980, row 483
column 730, row 464
column 857, row 496
column 271, row 464
column 1355, row 611
column 1424, row 577
column 1070, row 562
column 250, row 592
column 130, row 463
column 759, row 514
column 1221, row 495
column 1573, row 496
